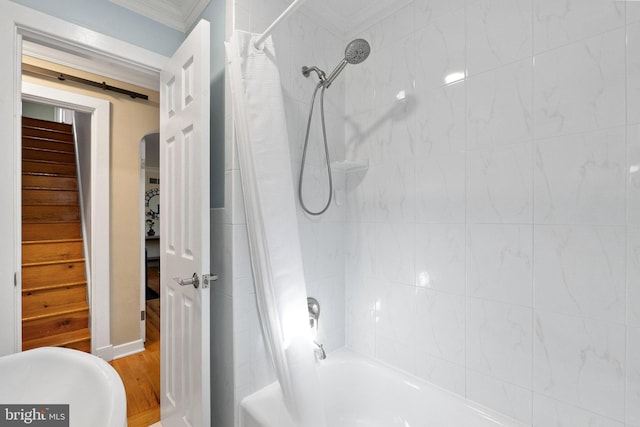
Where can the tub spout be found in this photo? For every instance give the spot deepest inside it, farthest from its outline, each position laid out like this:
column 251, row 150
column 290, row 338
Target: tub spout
column 319, row 351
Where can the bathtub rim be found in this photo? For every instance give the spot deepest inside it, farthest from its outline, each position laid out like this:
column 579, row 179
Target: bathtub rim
column 254, row 407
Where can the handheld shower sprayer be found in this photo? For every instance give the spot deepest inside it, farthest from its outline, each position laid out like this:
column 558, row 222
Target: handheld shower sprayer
column 355, row 53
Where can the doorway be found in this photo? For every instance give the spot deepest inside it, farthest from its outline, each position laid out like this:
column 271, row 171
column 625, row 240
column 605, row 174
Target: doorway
column 130, row 119
column 96, row 113
column 150, row 235
column 140, row 372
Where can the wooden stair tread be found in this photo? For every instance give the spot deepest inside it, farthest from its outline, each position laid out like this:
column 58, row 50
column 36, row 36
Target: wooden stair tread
column 47, row 138
column 55, row 213
column 58, row 340
column 49, row 162
column 45, row 150
column 52, row 223
column 52, row 168
column 27, row 160
column 37, row 231
column 71, row 206
column 48, row 128
column 71, row 221
column 51, row 272
column 42, row 313
column 31, row 122
column 50, row 154
column 62, row 261
column 40, row 251
column 26, row 289
column 52, row 143
column 32, row 188
column 48, row 181
column 41, row 242
column 48, row 174
column 50, row 197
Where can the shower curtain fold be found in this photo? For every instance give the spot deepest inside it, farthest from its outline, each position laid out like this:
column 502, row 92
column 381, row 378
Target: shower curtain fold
column 276, row 261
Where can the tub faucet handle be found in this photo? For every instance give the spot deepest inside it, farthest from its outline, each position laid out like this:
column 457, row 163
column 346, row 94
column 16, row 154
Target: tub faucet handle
column 313, row 306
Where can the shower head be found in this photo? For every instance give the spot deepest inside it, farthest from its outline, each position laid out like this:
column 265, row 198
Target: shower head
column 356, row 52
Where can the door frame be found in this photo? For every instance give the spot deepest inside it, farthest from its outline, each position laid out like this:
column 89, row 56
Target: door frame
column 99, row 259
column 17, row 23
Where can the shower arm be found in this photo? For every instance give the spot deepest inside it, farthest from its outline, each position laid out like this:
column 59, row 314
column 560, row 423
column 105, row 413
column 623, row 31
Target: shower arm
column 326, row 81
column 306, row 71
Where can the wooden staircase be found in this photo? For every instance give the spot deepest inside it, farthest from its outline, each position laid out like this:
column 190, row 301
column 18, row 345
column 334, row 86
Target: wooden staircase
column 54, row 288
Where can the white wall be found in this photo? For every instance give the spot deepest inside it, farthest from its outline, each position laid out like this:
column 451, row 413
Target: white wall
column 494, row 240
column 83, row 136
column 38, row 111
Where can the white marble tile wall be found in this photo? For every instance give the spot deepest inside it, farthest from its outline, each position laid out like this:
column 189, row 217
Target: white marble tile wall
column 493, row 244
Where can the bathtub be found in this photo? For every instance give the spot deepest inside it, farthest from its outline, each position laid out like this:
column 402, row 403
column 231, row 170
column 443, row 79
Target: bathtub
column 50, row 376
column 359, row 392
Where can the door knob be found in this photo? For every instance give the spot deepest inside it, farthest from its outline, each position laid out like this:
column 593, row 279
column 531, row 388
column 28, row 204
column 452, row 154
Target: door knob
column 193, row 280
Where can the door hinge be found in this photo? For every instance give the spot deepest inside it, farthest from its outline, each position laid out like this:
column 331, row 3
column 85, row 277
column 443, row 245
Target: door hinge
column 15, row 280
column 143, row 315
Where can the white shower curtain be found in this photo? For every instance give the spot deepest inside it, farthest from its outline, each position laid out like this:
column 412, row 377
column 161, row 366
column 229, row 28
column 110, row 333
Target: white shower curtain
column 276, row 260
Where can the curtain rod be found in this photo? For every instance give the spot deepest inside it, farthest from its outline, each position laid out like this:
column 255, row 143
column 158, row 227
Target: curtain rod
column 288, row 11
column 32, row 69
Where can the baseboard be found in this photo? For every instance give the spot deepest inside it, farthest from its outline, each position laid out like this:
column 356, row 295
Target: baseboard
column 127, row 349
column 104, row 353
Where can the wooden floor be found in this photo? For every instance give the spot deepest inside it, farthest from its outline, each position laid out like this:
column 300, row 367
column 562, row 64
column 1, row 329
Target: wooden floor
column 140, row 372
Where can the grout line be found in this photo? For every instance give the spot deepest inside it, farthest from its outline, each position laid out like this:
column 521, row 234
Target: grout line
column 626, row 218
column 466, row 208
column 533, row 211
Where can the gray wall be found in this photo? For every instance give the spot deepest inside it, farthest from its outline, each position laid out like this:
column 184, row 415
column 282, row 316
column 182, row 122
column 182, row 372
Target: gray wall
column 115, row 21
column 221, row 323
column 215, row 13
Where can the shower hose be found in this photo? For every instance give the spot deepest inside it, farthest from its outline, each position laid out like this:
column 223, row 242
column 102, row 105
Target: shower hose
column 326, row 152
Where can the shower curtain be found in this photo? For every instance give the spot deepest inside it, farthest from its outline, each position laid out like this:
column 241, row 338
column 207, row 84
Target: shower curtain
column 276, row 260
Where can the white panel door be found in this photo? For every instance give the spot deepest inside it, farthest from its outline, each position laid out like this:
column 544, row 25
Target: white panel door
column 184, row 233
